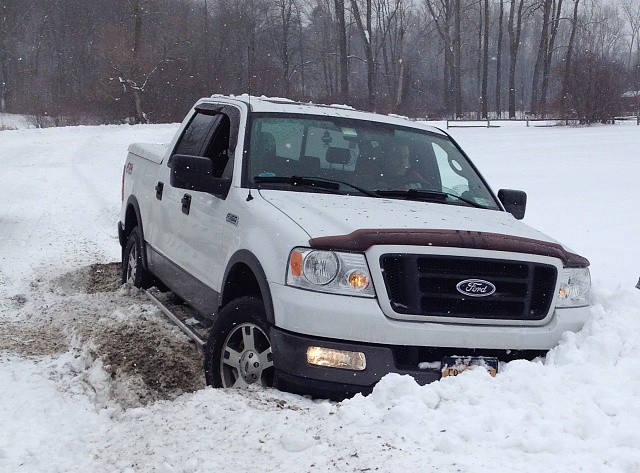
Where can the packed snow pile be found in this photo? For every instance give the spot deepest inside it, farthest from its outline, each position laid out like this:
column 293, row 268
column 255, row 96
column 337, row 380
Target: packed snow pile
column 93, row 378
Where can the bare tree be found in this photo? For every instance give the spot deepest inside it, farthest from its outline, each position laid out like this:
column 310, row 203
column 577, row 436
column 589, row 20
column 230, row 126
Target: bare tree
column 342, row 51
column 389, row 41
column 596, row 88
column 324, row 59
column 457, row 56
column 569, row 56
column 6, row 9
column 285, row 14
column 484, row 94
column 594, row 79
column 149, row 59
column 516, row 13
column 365, row 28
column 550, row 23
column 499, row 60
column 548, row 57
column 442, row 13
column 631, row 10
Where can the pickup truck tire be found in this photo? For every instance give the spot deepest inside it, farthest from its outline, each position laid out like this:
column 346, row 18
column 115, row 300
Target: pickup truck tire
column 238, row 351
column 133, row 271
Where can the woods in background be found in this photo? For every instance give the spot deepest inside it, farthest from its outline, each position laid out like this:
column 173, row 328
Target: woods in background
column 149, row 60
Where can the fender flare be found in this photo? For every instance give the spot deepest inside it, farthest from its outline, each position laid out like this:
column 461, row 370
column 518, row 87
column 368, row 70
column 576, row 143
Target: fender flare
column 248, row 259
column 124, row 229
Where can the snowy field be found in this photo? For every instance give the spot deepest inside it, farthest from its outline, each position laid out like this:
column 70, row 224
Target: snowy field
column 92, row 379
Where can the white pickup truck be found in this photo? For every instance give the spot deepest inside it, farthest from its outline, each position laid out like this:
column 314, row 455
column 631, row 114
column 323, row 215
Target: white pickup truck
column 328, row 247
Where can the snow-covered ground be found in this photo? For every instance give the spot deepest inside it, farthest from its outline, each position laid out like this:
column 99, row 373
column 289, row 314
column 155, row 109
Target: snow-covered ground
column 92, row 379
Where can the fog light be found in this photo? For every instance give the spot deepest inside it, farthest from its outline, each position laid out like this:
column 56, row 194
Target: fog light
column 348, row 360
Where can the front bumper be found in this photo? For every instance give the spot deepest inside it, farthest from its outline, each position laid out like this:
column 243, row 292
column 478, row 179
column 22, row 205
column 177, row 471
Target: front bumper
column 294, row 374
column 354, row 324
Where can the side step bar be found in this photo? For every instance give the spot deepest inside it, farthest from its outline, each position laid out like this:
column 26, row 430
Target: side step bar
column 185, row 328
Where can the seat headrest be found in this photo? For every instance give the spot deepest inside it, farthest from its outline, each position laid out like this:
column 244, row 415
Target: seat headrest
column 338, row 155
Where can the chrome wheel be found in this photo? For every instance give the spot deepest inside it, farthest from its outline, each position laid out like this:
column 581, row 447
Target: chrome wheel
column 246, row 357
column 238, row 352
column 131, row 269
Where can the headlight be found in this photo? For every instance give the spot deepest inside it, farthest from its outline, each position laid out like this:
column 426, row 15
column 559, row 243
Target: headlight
column 575, row 288
column 329, row 271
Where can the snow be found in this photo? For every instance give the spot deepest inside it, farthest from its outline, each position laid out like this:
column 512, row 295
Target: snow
column 13, row 122
column 64, row 410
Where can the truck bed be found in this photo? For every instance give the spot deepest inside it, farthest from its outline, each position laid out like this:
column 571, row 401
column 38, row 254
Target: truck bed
column 150, row 151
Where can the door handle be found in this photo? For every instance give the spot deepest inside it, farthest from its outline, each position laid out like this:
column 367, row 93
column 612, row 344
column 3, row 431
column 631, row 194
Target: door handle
column 159, row 189
column 186, row 204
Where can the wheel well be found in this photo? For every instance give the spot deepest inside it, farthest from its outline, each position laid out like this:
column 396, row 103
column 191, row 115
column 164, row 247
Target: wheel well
column 130, row 220
column 245, row 277
column 240, row 282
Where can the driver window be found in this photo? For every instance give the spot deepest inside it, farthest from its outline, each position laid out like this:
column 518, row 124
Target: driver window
column 207, row 135
column 194, row 139
column 218, row 147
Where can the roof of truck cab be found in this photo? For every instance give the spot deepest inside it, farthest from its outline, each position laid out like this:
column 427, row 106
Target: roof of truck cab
column 282, row 105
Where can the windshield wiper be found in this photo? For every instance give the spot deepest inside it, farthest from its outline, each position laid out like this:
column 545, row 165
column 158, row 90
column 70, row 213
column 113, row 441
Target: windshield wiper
column 426, row 195
column 322, row 182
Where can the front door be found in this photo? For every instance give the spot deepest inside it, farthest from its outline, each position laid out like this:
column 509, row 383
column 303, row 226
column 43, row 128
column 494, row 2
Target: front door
column 193, row 242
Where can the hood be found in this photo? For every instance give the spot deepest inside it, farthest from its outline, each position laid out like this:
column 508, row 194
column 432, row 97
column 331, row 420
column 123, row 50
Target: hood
column 321, row 215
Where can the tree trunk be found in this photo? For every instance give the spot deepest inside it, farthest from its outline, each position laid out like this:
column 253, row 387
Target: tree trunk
column 285, row 17
column 139, row 115
column 365, row 33
column 485, row 63
column 546, row 69
column 514, row 42
column 499, row 61
column 542, row 51
column 444, row 28
column 342, row 52
column 4, row 62
column 400, row 73
column 457, row 59
column 568, row 57
column 302, row 56
column 449, row 102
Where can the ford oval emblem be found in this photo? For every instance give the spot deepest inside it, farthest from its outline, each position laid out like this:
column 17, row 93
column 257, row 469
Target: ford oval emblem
column 475, row 288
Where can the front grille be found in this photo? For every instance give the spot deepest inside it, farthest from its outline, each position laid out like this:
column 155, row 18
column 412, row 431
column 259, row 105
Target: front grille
column 427, row 285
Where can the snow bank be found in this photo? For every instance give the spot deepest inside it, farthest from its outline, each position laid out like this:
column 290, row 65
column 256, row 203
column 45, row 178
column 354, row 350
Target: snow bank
column 66, row 408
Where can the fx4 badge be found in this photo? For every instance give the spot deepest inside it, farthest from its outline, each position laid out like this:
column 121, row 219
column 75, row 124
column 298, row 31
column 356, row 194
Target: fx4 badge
column 232, row 219
column 475, row 288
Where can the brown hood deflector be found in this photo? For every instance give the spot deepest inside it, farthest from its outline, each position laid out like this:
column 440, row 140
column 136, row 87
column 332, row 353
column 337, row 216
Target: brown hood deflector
column 361, row 240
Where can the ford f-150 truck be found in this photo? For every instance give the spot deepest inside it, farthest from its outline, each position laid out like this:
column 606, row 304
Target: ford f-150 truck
column 328, row 247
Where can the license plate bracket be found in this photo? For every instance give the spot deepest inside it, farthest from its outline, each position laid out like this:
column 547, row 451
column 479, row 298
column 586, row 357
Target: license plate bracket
column 454, row 365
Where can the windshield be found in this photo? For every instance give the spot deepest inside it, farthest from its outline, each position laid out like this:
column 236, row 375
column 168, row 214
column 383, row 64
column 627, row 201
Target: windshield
column 360, row 158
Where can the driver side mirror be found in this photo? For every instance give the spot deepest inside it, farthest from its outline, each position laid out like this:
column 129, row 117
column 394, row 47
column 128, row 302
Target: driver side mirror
column 514, row 202
column 196, row 173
